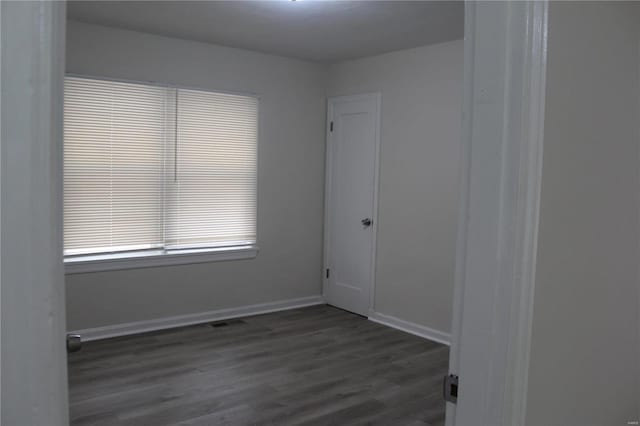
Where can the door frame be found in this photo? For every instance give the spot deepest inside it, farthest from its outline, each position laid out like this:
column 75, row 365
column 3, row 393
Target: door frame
column 503, row 129
column 34, row 357
column 377, row 97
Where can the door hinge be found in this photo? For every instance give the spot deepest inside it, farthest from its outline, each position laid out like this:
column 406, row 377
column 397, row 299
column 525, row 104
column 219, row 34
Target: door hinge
column 450, row 388
column 327, row 273
column 331, row 126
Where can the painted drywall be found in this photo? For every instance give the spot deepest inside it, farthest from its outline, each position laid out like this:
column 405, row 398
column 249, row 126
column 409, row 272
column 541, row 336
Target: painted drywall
column 290, row 179
column 420, row 145
column 584, row 353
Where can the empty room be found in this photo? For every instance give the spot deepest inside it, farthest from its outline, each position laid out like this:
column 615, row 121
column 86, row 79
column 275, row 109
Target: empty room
column 260, row 203
column 319, row 212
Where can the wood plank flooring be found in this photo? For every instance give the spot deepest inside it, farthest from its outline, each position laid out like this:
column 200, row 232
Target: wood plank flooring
column 310, row 366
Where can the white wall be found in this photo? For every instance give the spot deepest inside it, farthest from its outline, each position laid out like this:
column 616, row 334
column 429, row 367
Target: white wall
column 290, row 179
column 584, row 354
column 420, row 144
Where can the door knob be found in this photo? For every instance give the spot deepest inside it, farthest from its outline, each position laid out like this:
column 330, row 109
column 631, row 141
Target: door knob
column 366, row 222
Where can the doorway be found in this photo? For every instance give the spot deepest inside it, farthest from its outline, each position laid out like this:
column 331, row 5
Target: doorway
column 36, row 335
column 353, row 141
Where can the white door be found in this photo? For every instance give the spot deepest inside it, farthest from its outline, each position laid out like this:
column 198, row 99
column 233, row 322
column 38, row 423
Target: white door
column 350, row 216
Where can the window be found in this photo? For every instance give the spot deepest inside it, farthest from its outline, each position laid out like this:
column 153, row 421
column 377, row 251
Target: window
column 157, row 169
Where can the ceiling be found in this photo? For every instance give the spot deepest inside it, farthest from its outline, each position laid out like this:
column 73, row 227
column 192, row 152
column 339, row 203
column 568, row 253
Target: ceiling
column 320, row 31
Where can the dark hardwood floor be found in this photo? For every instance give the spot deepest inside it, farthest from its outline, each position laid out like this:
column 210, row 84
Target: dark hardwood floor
column 311, row 366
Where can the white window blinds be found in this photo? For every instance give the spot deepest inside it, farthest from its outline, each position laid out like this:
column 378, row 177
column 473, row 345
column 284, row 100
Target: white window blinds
column 149, row 167
column 212, row 200
column 114, row 135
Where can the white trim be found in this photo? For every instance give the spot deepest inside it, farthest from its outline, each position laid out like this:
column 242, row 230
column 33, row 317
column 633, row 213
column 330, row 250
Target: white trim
column 34, row 358
column 377, row 96
column 376, row 191
column 327, row 198
column 505, row 66
column 529, row 126
column 155, row 258
column 411, row 328
column 125, row 329
column 463, row 202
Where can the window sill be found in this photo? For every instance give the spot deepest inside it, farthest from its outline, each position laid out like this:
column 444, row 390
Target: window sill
column 154, row 258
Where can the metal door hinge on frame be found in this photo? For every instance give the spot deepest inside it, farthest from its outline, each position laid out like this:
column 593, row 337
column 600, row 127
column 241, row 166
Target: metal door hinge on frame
column 450, row 388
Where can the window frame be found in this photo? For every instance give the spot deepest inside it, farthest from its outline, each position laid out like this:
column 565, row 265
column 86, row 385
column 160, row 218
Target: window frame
column 146, row 258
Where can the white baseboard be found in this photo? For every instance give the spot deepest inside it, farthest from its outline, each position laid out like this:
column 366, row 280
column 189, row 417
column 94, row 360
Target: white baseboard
column 412, row 328
column 137, row 327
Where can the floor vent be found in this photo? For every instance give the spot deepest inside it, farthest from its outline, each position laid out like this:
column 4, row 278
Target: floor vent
column 226, row 323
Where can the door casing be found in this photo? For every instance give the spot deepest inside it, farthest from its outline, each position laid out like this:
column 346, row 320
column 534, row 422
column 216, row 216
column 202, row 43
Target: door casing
column 34, row 360
column 501, row 170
